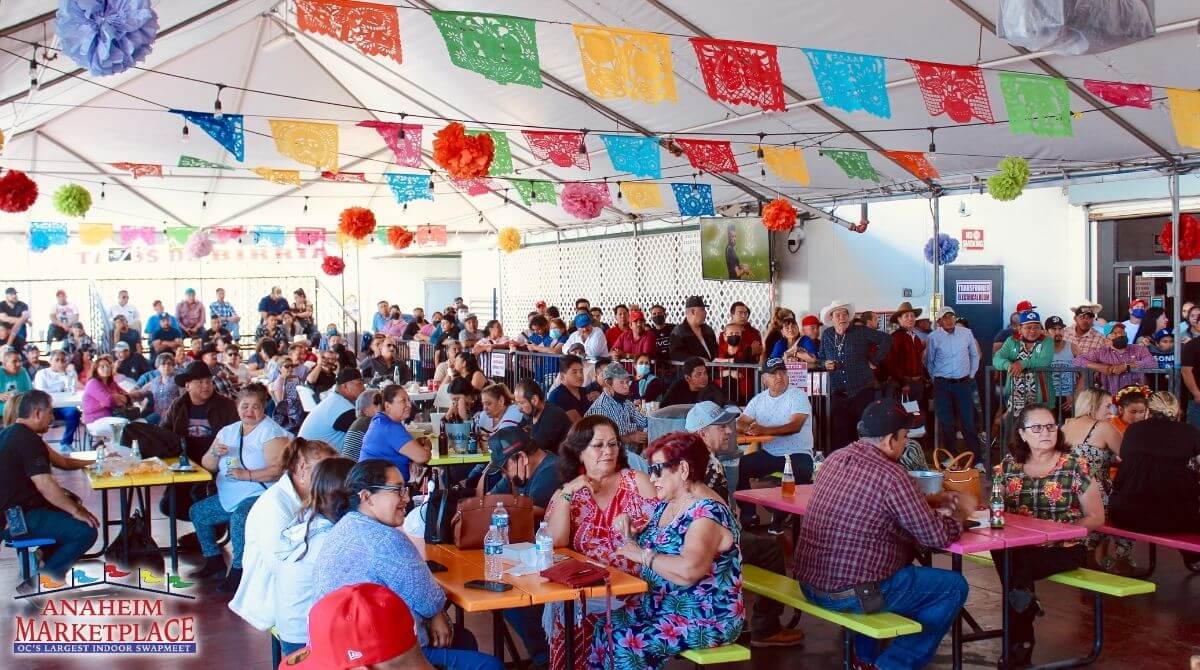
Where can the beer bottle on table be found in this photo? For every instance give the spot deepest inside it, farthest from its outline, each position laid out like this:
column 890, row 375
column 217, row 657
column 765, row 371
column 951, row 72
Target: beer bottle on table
column 996, row 505
column 789, row 478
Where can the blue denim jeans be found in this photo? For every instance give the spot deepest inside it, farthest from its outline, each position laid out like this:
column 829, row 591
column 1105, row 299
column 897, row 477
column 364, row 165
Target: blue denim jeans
column 1193, row 413
column 527, row 622
column 930, row 596
column 71, row 536
column 956, row 400
column 208, row 514
column 461, row 655
column 70, row 416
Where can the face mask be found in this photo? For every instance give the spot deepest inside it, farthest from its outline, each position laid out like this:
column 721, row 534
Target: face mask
column 1137, row 313
column 1120, row 342
column 620, row 397
column 555, row 333
column 331, row 332
column 659, row 319
column 733, row 340
column 643, row 369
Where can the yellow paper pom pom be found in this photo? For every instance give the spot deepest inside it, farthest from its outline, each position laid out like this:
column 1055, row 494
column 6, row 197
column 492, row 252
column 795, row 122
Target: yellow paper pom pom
column 509, row 239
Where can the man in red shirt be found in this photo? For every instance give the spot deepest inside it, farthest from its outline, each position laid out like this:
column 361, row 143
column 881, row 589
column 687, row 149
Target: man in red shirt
column 618, row 328
column 904, row 367
column 861, row 531
column 637, row 339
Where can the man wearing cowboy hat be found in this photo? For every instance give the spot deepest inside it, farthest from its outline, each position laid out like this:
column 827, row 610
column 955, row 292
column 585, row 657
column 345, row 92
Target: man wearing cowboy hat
column 1086, row 337
column 195, row 417
column 846, row 354
column 904, row 367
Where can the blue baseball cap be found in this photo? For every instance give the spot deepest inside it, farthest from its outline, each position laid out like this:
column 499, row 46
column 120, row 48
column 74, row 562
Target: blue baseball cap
column 1030, row 317
column 1165, row 332
column 704, row 414
column 582, row 320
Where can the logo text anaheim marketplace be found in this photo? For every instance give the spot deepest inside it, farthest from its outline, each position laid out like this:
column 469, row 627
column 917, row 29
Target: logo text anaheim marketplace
column 94, row 626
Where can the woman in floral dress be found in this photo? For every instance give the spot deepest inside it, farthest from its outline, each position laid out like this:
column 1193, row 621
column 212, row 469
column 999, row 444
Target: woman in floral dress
column 1041, row 478
column 689, row 557
column 599, row 488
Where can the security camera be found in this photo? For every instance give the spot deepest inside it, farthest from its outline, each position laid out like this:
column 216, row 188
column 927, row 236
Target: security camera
column 795, row 238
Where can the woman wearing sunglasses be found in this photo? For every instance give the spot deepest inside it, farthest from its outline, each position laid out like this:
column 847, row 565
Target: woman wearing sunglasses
column 688, row 554
column 367, row 545
column 1041, row 478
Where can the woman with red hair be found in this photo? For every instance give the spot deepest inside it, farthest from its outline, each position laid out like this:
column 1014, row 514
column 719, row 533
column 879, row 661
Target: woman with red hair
column 688, row 554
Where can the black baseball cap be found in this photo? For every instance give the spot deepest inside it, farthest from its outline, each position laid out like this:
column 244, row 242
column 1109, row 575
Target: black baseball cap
column 695, row 301
column 10, row 291
column 346, row 375
column 1055, row 322
column 773, row 365
column 884, row 417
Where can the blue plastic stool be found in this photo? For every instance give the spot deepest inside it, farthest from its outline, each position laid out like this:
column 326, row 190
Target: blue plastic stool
column 28, row 560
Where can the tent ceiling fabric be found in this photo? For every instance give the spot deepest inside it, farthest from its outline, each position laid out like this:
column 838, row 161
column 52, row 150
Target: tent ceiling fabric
column 102, row 126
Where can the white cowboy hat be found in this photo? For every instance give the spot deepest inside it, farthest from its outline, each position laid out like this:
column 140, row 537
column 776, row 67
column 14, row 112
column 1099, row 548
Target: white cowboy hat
column 836, row 304
column 1083, row 304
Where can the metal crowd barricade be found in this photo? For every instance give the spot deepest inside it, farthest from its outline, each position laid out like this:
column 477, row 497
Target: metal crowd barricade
column 420, row 357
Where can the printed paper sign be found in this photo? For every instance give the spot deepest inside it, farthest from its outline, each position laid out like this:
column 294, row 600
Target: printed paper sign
column 496, row 364
column 972, row 239
column 973, row 292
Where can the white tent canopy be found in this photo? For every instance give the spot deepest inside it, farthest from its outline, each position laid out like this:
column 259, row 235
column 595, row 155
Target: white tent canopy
column 74, row 125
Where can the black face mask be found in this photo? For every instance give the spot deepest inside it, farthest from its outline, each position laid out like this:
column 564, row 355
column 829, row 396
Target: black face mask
column 518, row 482
column 1120, row 342
column 733, row 340
column 659, row 319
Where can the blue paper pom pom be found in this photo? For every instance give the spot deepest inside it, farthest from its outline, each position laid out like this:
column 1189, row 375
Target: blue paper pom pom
column 947, row 249
column 106, row 36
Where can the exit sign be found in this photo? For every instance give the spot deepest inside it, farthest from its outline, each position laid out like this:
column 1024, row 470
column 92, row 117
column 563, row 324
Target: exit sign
column 972, row 239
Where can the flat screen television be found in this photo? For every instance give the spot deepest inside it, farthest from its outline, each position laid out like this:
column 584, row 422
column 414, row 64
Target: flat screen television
column 735, row 249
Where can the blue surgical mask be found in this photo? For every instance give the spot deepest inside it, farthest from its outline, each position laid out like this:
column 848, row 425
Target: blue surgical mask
column 555, row 333
column 331, row 332
column 1137, row 312
column 643, row 369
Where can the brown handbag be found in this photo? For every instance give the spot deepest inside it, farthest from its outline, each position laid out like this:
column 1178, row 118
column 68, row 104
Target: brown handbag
column 474, row 517
column 958, row 475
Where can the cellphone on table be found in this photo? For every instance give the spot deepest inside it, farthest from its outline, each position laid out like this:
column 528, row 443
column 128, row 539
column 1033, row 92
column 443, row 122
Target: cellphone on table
column 434, row 566
column 971, row 523
column 486, row 585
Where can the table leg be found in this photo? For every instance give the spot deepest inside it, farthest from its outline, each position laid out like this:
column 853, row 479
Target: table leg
column 956, row 629
column 125, row 495
column 498, row 635
column 173, row 530
column 569, row 625
column 460, row 620
column 104, row 515
column 1004, row 632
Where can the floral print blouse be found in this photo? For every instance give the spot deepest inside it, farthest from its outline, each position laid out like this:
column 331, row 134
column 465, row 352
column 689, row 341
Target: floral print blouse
column 1055, row 497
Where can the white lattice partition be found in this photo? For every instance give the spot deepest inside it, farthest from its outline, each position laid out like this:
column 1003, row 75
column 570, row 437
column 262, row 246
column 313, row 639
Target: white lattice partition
column 661, row 268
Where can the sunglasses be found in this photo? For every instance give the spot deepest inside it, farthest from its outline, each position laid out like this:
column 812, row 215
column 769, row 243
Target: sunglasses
column 1039, row 428
column 656, row 469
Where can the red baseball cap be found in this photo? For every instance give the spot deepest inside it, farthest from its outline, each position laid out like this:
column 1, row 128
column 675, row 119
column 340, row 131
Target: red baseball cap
column 1026, row 306
column 362, row 624
column 540, row 304
column 810, row 320
column 637, row 315
column 1137, row 301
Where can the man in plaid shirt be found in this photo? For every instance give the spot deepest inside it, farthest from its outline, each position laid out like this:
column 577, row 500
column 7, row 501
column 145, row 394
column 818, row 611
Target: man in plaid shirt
column 861, row 531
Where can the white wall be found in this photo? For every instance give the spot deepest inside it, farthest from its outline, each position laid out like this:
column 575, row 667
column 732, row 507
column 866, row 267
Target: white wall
column 1038, row 238
column 480, row 279
column 400, row 280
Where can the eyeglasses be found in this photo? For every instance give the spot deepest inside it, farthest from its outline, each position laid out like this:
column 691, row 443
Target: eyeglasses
column 656, row 469
column 1039, row 428
column 394, row 488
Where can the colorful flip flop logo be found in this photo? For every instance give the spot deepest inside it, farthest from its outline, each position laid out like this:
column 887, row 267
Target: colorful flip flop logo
column 48, row 583
column 111, row 570
column 177, row 583
column 150, row 578
column 81, row 577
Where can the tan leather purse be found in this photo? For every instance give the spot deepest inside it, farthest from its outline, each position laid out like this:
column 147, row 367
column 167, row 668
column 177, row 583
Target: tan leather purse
column 958, row 475
column 474, row 517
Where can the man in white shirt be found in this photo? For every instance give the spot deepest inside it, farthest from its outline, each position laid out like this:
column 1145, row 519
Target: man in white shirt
column 64, row 314
column 780, row 411
column 123, row 308
column 331, row 418
column 595, row 345
column 60, row 379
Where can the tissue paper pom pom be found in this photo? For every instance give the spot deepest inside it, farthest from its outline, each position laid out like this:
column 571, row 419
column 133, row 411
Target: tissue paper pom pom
column 356, row 222
column 463, row 156
column 17, row 191
column 106, row 36
column 1189, row 234
column 1013, row 176
column 509, row 239
column 779, row 215
column 947, row 249
column 333, row 266
column 72, row 200
column 400, row 237
column 584, row 201
column 199, row 245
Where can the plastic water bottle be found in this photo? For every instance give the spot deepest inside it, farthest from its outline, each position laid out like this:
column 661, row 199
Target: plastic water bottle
column 137, row 453
column 493, row 548
column 500, row 521
column 473, row 445
column 545, row 546
column 818, row 459
column 99, row 467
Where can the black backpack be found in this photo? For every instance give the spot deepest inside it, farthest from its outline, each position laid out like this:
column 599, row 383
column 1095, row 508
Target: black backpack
column 143, row 551
column 152, row 440
column 439, row 514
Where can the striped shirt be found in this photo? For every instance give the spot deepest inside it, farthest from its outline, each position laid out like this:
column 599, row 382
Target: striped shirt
column 1086, row 343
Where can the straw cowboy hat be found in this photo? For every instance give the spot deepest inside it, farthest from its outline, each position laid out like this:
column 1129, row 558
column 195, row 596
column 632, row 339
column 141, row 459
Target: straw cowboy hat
column 836, row 304
column 905, row 306
column 1095, row 307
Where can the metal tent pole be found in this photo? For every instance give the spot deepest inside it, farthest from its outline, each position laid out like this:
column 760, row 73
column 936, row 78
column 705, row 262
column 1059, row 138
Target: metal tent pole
column 1176, row 279
column 936, row 302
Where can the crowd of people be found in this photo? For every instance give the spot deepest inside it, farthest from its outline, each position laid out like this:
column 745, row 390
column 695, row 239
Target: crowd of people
column 312, row 495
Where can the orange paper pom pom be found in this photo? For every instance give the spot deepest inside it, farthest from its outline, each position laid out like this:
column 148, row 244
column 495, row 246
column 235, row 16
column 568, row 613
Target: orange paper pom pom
column 400, row 237
column 463, row 156
column 779, row 215
column 356, row 222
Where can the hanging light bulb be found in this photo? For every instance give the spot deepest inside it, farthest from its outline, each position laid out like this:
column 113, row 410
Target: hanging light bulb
column 33, row 78
column 186, row 132
column 619, row 194
column 761, row 154
column 204, row 201
column 306, row 204
column 405, row 208
column 583, row 141
column 506, row 196
column 101, row 190
column 932, row 145
column 217, row 113
column 431, row 180
column 402, row 115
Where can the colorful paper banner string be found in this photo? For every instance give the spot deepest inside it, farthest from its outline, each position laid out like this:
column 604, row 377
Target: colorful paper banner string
column 92, row 234
column 1119, row 93
column 179, row 235
column 307, row 142
column 1036, row 104
column 623, row 63
column 139, row 169
column 856, row 164
column 273, row 236
column 709, row 155
column 44, row 234
column 193, row 162
column 535, row 191
column 560, row 148
column 915, row 162
column 432, row 235
column 227, row 130
column 641, row 195
column 501, row 48
column 310, row 237
column 634, row 154
column 741, row 73
column 358, row 177
column 1185, row 116
column 228, row 233
column 851, row 81
column 372, row 29
column 786, row 163
column 502, row 162
column 131, row 234
column 288, row 177
column 409, row 187
column 693, row 199
column 344, row 240
column 407, row 149
column 474, row 187
column 380, row 236
column 958, row 91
